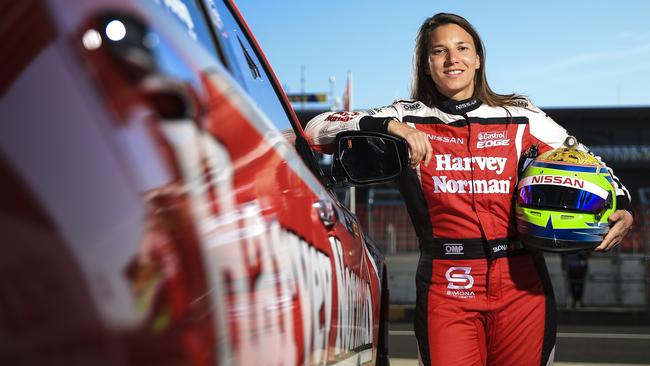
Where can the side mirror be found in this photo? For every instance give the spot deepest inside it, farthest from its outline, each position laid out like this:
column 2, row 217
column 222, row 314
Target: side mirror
column 369, row 157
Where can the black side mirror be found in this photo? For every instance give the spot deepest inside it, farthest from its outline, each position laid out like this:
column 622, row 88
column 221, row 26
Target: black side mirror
column 369, row 157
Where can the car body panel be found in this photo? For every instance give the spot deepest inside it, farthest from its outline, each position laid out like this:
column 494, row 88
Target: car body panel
column 146, row 233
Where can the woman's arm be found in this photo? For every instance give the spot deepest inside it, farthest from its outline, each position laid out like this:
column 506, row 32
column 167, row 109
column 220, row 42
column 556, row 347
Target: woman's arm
column 547, row 134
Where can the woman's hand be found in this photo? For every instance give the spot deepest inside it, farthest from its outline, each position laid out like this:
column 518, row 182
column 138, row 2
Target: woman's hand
column 417, row 140
column 620, row 222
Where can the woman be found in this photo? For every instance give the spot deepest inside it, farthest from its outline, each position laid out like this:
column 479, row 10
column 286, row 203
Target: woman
column 481, row 298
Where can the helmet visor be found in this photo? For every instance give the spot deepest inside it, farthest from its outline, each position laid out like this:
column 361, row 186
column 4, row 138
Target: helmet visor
column 562, row 197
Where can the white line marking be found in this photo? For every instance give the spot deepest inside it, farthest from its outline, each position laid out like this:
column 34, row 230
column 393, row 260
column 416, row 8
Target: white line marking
column 401, row 332
column 559, row 335
column 604, row 335
column 414, row 362
column 360, row 358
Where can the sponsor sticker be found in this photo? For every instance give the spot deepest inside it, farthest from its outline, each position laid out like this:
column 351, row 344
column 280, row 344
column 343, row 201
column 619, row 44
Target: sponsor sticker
column 453, row 248
column 342, row 116
column 460, row 282
column 454, row 163
column 491, row 139
column 460, row 107
column 503, row 247
column 412, row 107
column 446, row 139
column 521, row 103
column 559, row 180
column 447, row 162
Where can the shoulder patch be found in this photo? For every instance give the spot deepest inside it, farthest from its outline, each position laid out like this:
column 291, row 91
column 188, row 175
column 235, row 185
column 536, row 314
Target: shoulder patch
column 373, row 111
column 341, row 116
column 412, row 106
column 409, row 104
column 405, row 101
column 522, row 103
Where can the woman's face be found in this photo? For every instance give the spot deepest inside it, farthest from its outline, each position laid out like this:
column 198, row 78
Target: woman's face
column 453, row 61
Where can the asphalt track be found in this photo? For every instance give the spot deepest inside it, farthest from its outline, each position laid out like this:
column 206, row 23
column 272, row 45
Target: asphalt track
column 577, row 345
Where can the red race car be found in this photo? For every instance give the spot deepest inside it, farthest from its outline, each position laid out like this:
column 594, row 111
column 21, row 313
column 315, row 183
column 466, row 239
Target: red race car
column 153, row 210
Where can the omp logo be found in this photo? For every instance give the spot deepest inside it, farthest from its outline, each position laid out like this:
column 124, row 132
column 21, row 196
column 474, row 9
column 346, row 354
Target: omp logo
column 412, row 107
column 460, row 282
column 453, row 248
column 489, row 139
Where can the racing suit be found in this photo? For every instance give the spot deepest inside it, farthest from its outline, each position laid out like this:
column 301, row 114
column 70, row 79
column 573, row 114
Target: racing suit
column 482, row 299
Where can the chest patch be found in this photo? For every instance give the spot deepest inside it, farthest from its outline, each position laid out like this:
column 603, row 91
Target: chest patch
column 449, row 162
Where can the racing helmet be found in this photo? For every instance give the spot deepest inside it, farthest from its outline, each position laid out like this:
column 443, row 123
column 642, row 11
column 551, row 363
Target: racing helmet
column 564, row 198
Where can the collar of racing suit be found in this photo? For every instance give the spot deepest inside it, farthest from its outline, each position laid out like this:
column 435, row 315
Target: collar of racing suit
column 459, row 107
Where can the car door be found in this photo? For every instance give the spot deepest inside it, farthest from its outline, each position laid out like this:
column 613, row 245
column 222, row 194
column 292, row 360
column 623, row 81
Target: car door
column 209, row 238
column 355, row 273
column 236, row 194
column 286, row 266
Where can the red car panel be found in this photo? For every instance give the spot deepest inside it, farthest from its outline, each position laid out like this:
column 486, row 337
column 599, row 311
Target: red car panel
column 156, row 215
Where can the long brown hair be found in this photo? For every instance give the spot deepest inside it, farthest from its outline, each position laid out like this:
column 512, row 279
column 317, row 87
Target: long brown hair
column 423, row 88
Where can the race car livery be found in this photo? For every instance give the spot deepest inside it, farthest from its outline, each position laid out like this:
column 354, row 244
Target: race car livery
column 156, row 214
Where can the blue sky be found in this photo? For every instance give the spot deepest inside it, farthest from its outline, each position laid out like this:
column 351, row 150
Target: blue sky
column 559, row 53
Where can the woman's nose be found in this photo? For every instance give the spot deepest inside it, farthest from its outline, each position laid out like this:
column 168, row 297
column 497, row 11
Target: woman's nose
column 451, row 56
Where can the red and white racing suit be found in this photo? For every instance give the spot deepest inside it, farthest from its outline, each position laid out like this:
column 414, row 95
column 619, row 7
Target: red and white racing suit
column 481, row 298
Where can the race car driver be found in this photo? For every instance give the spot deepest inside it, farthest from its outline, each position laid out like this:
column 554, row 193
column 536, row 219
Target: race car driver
column 482, row 299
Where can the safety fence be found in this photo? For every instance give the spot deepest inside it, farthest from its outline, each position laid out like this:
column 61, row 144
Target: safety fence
column 384, row 216
column 620, row 277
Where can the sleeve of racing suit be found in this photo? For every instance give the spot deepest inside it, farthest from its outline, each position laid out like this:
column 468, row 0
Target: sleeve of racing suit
column 321, row 130
column 547, row 135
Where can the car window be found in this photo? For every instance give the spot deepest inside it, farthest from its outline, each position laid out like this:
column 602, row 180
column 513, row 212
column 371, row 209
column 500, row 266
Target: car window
column 247, row 67
column 188, row 14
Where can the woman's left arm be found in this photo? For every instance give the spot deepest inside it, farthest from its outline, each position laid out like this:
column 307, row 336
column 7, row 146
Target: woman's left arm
column 551, row 135
column 620, row 222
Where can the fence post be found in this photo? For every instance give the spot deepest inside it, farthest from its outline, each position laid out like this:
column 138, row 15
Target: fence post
column 644, row 217
column 391, row 238
column 371, row 199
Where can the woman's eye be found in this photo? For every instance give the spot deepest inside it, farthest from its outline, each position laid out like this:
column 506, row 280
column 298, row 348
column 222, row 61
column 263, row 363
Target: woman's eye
column 463, row 48
column 438, row 52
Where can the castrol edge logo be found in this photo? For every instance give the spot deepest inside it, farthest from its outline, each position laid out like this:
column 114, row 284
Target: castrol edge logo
column 490, row 139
